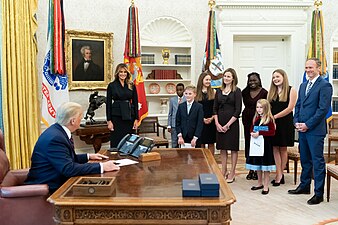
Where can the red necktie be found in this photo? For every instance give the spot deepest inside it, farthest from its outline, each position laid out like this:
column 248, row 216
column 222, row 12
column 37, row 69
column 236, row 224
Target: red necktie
column 179, row 100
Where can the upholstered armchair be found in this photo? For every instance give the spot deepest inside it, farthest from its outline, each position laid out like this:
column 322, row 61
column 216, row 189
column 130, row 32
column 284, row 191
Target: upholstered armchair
column 21, row 204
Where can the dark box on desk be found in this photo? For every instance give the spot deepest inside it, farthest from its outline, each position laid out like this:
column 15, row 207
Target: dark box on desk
column 191, row 188
column 208, row 181
column 94, row 186
column 210, row 193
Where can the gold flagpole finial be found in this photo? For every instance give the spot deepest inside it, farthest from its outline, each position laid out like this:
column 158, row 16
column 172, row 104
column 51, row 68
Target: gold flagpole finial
column 132, row 2
column 318, row 3
column 211, row 4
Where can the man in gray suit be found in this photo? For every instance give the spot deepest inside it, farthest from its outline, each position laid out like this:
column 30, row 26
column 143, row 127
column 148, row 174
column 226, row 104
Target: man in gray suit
column 173, row 105
column 314, row 100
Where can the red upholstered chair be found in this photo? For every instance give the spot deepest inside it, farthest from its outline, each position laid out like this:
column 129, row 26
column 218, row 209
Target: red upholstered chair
column 22, row 204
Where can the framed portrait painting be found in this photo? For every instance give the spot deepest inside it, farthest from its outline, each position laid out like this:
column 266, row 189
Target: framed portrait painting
column 89, row 59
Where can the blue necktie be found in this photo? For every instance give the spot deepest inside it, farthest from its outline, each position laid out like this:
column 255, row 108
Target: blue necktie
column 189, row 107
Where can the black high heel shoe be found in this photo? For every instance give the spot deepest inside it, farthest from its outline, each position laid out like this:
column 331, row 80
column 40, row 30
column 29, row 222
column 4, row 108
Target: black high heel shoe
column 276, row 184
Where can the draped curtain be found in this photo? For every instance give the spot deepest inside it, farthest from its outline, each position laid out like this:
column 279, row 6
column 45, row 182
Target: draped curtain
column 20, row 96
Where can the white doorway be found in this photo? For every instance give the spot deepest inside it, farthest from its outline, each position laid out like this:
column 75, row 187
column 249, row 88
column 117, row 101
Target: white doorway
column 261, row 54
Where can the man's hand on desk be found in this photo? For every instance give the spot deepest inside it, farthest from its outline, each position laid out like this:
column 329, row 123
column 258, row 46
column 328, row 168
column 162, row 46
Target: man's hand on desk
column 110, row 166
column 97, row 156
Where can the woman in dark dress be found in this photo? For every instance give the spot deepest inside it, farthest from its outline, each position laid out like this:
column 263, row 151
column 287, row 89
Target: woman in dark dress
column 251, row 94
column 282, row 98
column 227, row 108
column 121, row 106
column 206, row 95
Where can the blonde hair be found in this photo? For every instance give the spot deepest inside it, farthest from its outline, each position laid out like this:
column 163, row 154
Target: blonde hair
column 234, row 81
column 267, row 115
column 273, row 92
column 190, row 87
column 210, row 91
column 128, row 80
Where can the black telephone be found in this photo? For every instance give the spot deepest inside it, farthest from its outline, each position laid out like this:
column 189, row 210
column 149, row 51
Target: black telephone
column 128, row 144
column 146, row 145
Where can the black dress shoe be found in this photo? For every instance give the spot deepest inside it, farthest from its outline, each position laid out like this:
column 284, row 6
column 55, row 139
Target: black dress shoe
column 299, row 191
column 315, row 200
column 254, row 175
column 249, row 176
column 265, row 192
column 254, row 188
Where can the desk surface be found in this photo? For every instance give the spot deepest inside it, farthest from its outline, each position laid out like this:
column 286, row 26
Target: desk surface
column 149, row 185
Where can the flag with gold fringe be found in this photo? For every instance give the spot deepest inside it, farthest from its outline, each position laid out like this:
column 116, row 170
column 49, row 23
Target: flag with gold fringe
column 212, row 61
column 54, row 79
column 132, row 57
column 316, row 48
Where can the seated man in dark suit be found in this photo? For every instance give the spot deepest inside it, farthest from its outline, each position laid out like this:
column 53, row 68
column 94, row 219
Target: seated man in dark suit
column 87, row 70
column 189, row 118
column 54, row 159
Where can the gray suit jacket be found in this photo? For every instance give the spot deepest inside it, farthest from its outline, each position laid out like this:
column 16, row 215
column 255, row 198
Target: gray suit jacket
column 173, row 105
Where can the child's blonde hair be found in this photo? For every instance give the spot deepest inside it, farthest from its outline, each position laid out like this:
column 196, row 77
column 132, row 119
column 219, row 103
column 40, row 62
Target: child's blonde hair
column 191, row 88
column 267, row 115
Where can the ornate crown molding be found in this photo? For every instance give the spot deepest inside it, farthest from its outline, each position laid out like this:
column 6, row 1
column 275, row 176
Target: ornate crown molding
column 165, row 31
column 264, row 4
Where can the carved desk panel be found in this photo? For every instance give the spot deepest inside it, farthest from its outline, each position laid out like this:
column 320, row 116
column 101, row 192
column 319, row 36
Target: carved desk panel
column 150, row 193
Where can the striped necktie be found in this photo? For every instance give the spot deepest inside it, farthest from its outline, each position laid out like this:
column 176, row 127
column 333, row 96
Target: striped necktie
column 308, row 88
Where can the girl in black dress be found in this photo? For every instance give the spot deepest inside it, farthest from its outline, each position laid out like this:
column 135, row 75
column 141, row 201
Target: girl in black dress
column 251, row 94
column 282, row 98
column 206, row 95
column 121, row 106
column 227, row 108
column 263, row 124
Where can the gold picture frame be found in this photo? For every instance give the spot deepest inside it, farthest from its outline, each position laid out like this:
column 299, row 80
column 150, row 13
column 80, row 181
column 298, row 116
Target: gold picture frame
column 96, row 74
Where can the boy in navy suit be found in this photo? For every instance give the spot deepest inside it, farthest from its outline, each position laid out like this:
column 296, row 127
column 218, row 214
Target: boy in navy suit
column 173, row 105
column 189, row 118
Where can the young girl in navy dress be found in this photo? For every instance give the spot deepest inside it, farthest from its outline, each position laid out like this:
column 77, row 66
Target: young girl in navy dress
column 263, row 164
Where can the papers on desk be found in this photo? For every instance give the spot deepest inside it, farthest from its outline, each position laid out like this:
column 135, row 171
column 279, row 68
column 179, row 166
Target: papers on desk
column 186, row 145
column 124, row 162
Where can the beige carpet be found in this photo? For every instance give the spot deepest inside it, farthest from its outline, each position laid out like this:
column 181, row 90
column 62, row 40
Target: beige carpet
column 278, row 207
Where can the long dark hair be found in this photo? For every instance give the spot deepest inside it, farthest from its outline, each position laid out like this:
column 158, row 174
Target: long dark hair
column 210, row 91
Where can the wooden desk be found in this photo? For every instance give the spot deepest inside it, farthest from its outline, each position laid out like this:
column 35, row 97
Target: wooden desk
column 95, row 135
column 150, row 193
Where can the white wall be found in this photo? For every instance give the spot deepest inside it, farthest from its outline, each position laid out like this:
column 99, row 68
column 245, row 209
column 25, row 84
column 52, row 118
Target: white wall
column 111, row 16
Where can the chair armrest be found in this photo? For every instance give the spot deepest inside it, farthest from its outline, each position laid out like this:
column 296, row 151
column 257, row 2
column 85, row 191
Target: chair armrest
column 24, row 191
column 21, row 175
column 163, row 129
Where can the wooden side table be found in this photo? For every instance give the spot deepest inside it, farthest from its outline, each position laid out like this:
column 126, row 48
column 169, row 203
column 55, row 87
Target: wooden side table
column 94, row 135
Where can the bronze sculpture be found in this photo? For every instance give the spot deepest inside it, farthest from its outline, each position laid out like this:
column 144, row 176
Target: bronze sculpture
column 95, row 102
